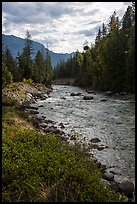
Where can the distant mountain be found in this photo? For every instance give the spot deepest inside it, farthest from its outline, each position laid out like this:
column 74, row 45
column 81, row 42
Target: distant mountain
column 16, row 44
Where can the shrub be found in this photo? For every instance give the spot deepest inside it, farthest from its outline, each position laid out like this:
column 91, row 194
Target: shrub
column 29, row 81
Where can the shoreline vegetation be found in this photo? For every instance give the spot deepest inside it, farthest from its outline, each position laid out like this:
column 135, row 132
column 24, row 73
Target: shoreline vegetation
column 43, row 167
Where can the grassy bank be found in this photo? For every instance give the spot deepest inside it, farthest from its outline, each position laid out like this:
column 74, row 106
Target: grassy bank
column 38, row 167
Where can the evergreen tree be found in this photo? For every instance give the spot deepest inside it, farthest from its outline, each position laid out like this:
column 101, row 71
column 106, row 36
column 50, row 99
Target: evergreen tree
column 10, row 63
column 98, row 37
column 104, row 30
column 48, row 71
column 39, row 68
column 26, row 62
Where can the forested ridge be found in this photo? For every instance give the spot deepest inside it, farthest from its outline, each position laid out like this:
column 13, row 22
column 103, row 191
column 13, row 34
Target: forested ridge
column 109, row 63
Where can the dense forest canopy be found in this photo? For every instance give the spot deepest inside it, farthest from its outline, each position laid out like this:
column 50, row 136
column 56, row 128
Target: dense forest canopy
column 108, row 64
column 24, row 67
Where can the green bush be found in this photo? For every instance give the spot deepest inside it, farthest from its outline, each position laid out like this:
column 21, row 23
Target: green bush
column 29, row 81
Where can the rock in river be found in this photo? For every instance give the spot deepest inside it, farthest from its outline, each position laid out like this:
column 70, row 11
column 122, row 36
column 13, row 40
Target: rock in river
column 127, row 187
column 95, row 139
column 76, row 94
column 108, row 176
column 88, row 97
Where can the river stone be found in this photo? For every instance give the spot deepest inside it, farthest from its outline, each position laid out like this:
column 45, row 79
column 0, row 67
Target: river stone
column 108, row 176
column 95, row 140
column 72, row 94
column 87, row 97
column 43, row 125
column 40, row 106
column 61, row 125
column 127, row 187
column 76, row 94
column 103, row 99
column 100, row 148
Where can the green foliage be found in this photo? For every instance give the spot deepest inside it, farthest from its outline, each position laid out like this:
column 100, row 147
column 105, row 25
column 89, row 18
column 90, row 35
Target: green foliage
column 44, row 168
column 48, row 71
column 110, row 63
column 9, row 62
column 39, row 68
column 6, row 75
column 24, row 67
column 29, row 81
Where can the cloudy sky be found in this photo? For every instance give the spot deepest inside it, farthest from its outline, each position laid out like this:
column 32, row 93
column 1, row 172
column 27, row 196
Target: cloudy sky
column 65, row 26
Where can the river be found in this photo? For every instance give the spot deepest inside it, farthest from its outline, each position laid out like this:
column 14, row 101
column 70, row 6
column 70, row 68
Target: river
column 112, row 121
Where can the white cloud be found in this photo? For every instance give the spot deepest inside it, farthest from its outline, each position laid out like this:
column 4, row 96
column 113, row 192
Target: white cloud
column 63, row 25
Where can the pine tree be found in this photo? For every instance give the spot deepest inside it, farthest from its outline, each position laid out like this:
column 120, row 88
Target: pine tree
column 48, row 71
column 128, row 44
column 39, row 68
column 98, row 37
column 26, row 61
column 10, row 62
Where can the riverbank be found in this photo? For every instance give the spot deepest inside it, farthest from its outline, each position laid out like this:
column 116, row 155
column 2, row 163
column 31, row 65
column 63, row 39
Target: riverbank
column 50, row 171
column 26, row 93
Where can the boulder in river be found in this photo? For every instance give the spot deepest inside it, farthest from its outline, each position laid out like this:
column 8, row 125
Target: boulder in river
column 76, row 94
column 103, row 99
column 72, row 94
column 108, row 176
column 127, row 187
column 100, row 148
column 88, row 97
column 95, row 139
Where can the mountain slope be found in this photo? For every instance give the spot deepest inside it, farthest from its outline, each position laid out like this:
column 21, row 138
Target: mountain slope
column 16, row 44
